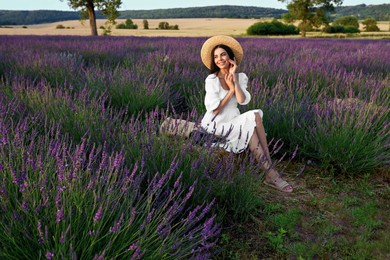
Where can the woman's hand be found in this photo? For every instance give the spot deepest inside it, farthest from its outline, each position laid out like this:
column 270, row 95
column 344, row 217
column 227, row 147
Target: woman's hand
column 233, row 66
column 229, row 79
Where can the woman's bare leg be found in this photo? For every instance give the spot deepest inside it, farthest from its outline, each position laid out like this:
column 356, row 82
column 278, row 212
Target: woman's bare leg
column 271, row 175
column 256, row 148
column 261, row 135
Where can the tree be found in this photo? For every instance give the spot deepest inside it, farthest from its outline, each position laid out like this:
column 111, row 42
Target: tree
column 108, row 8
column 146, row 24
column 370, row 25
column 309, row 12
column 347, row 21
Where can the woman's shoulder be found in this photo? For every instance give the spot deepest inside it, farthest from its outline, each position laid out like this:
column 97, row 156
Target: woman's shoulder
column 211, row 76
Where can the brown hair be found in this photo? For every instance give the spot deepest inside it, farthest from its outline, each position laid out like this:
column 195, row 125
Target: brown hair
column 214, row 68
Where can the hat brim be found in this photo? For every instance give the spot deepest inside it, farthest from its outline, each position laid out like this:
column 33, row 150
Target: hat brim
column 210, row 44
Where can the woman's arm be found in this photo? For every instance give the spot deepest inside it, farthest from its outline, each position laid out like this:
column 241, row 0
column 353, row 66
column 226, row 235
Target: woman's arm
column 240, row 96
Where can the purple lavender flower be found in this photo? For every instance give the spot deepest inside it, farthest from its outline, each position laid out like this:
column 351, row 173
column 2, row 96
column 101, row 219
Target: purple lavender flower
column 148, row 219
column 98, row 215
column 49, row 255
column 137, row 251
column 132, row 217
column 177, row 182
column 59, row 215
column 40, row 232
column 192, row 214
column 118, row 160
column 207, row 228
column 25, row 206
column 117, row 225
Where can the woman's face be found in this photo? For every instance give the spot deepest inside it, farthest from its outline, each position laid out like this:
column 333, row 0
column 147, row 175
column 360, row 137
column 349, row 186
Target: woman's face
column 221, row 58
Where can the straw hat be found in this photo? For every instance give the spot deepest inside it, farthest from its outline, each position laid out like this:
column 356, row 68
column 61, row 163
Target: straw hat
column 210, row 43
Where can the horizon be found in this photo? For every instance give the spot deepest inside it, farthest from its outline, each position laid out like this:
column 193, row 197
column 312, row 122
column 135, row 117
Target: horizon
column 57, row 5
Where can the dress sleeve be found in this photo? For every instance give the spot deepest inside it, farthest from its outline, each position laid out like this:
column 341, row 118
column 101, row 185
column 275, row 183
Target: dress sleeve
column 243, row 81
column 211, row 99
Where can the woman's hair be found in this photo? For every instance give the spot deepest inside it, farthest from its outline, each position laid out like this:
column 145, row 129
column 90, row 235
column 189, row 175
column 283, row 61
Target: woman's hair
column 214, row 68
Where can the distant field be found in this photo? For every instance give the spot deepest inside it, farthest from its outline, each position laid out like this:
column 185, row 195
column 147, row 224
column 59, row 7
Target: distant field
column 187, row 27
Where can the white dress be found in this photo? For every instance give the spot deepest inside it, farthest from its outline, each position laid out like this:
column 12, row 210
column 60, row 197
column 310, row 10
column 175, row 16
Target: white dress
column 237, row 128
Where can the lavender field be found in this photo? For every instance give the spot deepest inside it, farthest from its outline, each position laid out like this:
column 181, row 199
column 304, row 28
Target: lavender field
column 84, row 172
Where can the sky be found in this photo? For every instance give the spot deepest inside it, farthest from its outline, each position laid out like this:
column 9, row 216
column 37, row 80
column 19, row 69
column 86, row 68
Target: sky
column 160, row 4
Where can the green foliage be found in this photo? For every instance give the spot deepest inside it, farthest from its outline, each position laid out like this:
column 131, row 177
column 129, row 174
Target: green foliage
column 108, row 8
column 163, row 25
column 359, row 143
column 287, row 219
column 237, row 197
column 166, row 26
column 365, row 215
column 221, row 11
column 60, row 26
column 101, row 211
column 334, row 29
column 272, row 28
column 347, row 21
column 106, row 29
column 340, row 29
column 351, row 29
column 276, row 239
column 128, row 24
column 310, row 12
column 379, row 12
column 146, row 24
column 370, row 25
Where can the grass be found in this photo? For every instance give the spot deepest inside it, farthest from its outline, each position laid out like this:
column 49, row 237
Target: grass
column 343, row 218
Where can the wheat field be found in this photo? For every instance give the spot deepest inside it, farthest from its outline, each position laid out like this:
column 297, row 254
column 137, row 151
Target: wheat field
column 188, row 27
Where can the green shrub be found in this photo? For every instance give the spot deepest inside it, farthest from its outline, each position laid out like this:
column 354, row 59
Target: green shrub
column 272, row 28
column 370, row 25
column 166, row 26
column 128, row 24
column 60, row 26
column 347, row 21
column 341, row 29
column 351, row 29
column 334, row 29
column 120, row 26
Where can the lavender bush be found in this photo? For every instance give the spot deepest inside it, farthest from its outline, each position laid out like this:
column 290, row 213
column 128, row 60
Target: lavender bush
column 79, row 201
column 85, row 173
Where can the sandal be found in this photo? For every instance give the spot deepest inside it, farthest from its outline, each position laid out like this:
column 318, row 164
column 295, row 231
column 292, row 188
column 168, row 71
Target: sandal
column 279, row 186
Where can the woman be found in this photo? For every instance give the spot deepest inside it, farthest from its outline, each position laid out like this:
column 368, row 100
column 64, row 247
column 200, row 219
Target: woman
column 225, row 88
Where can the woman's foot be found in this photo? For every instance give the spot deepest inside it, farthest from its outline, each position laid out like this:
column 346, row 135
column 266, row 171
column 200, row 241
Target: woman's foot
column 274, row 180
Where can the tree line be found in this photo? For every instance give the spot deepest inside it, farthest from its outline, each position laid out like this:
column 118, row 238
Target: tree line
column 363, row 11
column 221, row 11
column 38, row 17
column 378, row 12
